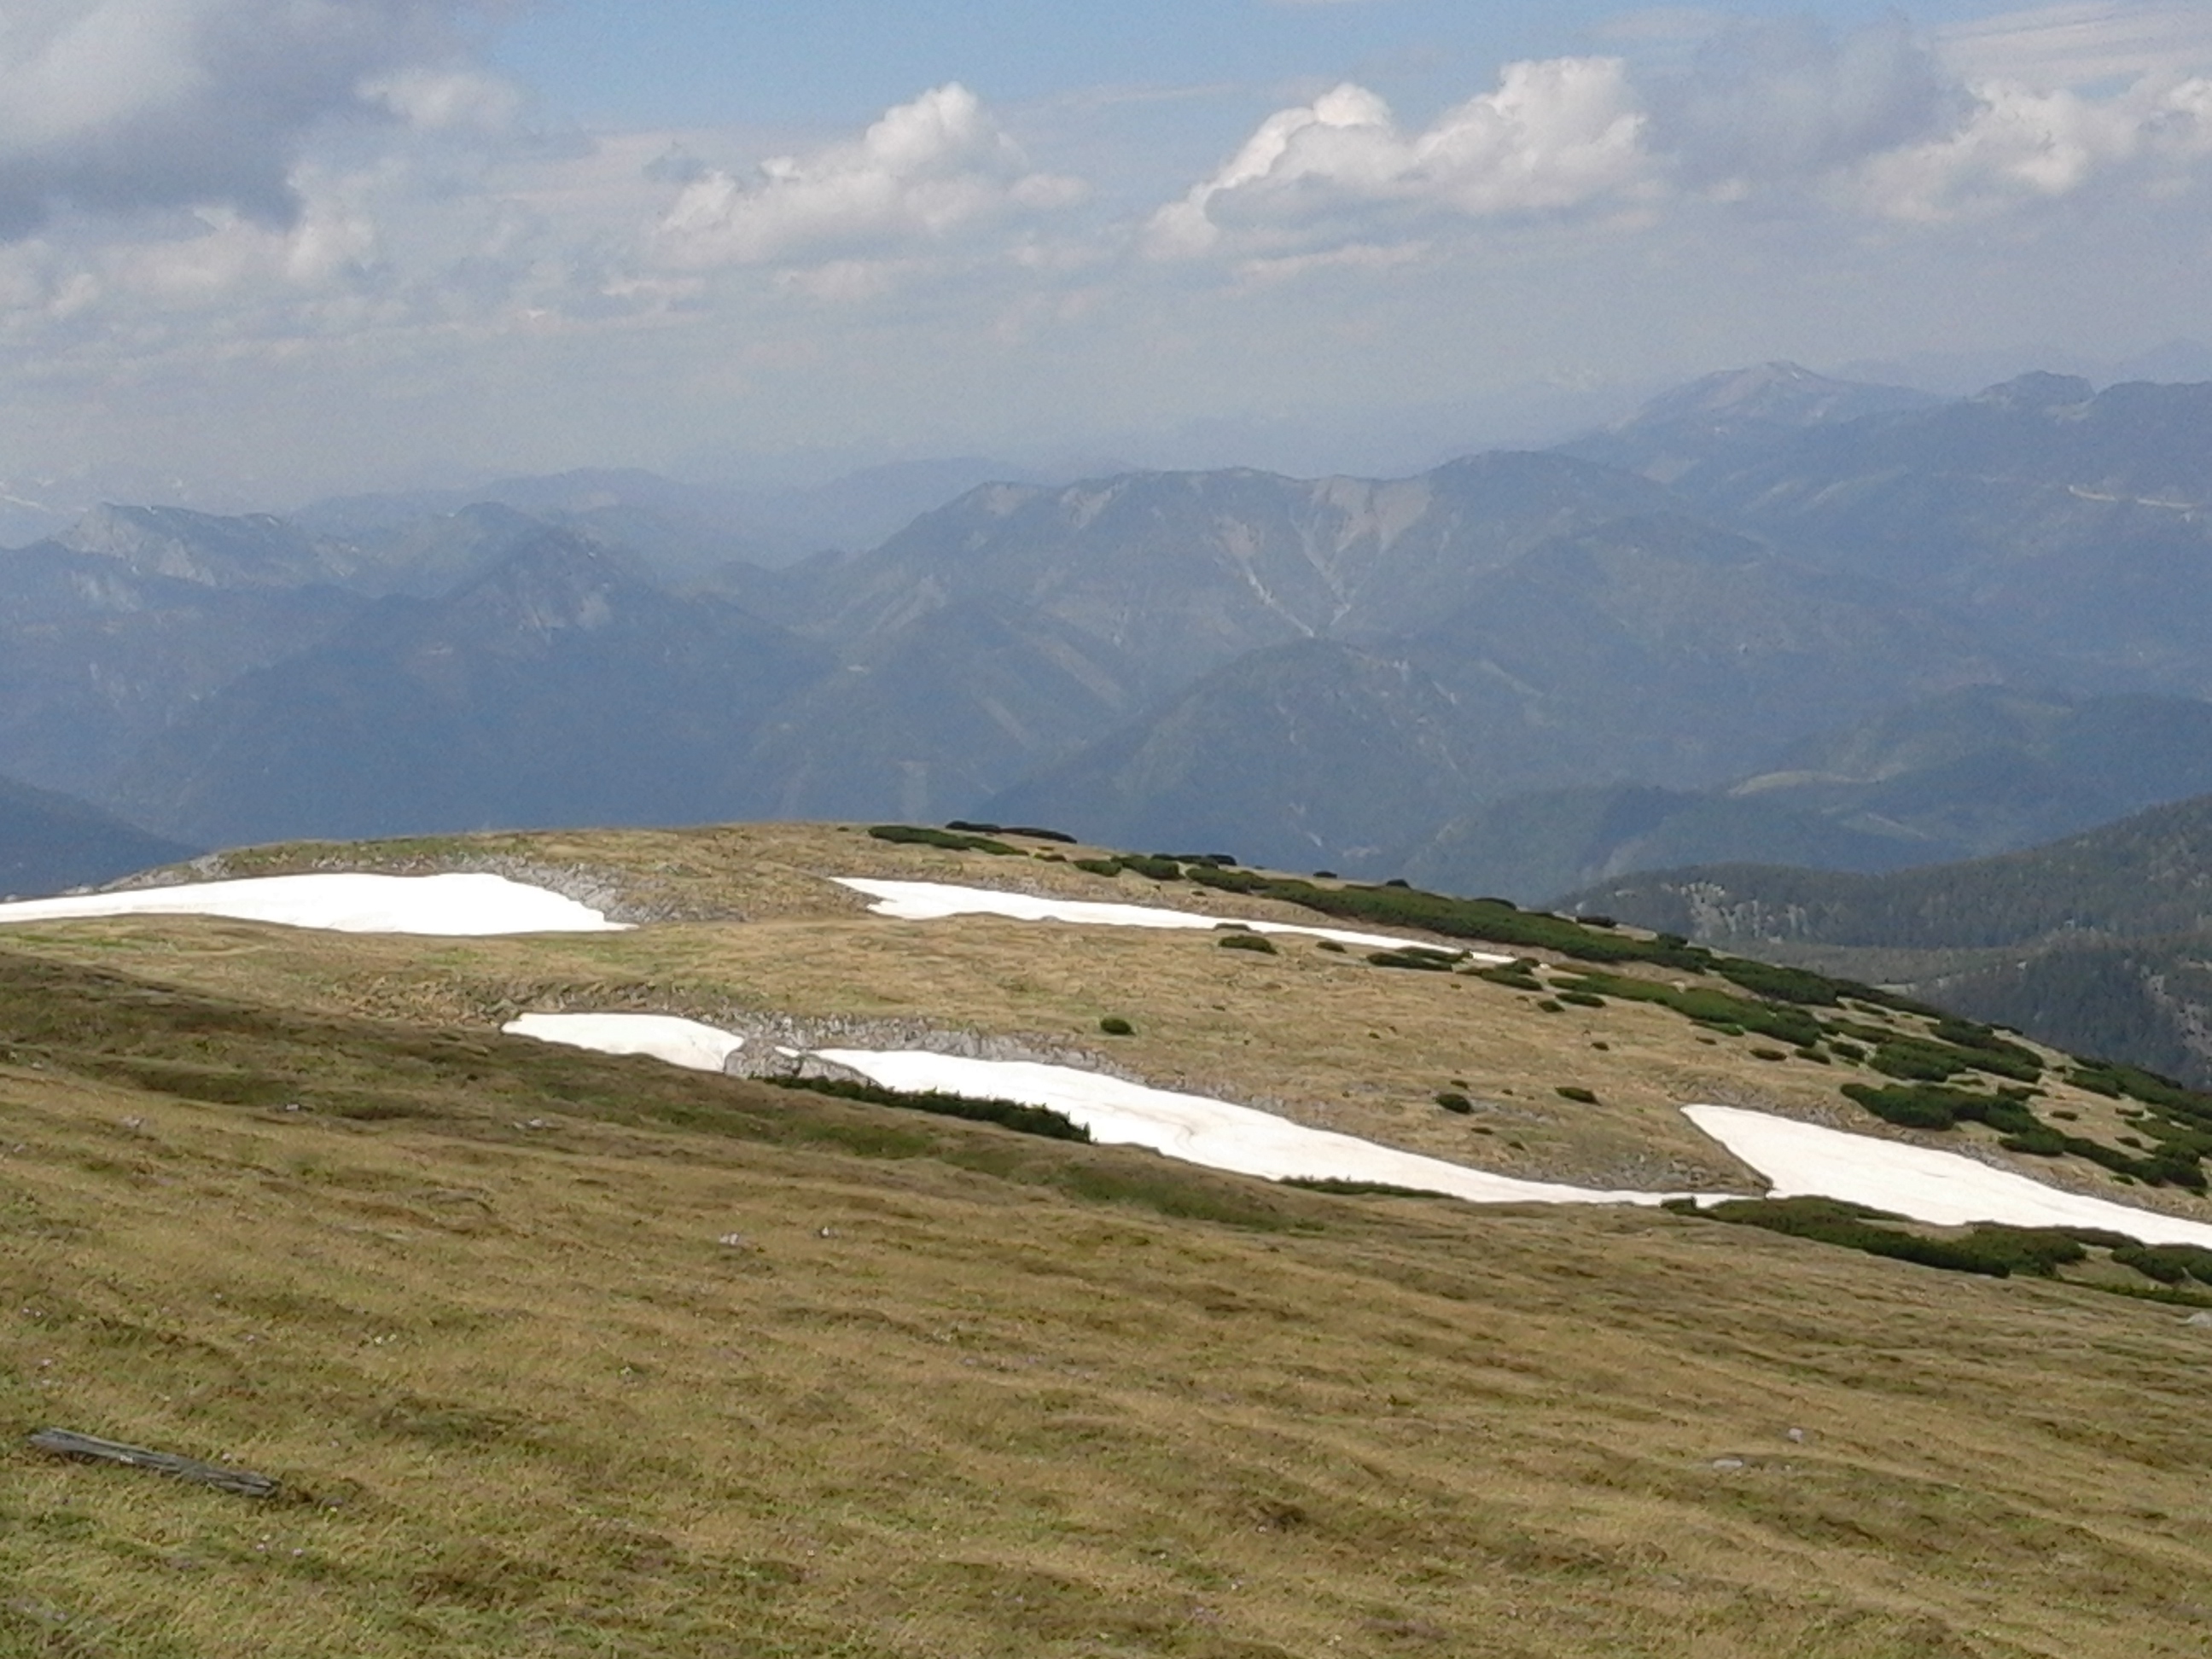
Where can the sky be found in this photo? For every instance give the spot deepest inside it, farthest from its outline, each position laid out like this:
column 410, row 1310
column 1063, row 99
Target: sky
column 252, row 252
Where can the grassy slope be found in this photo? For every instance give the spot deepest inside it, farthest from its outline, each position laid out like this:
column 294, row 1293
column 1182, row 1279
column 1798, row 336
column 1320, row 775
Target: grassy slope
column 1321, row 1037
column 1017, row 1398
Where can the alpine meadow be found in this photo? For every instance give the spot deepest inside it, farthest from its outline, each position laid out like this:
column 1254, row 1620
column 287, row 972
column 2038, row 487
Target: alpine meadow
column 1264, row 829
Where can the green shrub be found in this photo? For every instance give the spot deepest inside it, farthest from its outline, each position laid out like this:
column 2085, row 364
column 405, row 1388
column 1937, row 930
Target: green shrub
column 915, row 834
column 1573, row 1091
column 2169, row 1264
column 1548, row 1006
column 1853, row 1226
column 1030, row 831
column 1720, row 1010
column 1489, row 920
column 1430, row 962
column 1343, row 1189
column 2113, row 1081
column 1452, row 1101
column 2152, row 1261
column 1512, row 975
column 1009, row 1114
column 1784, row 984
column 1927, row 1061
column 1330, row 945
column 1107, row 867
column 2037, row 1250
column 1114, row 1025
column 1768, row 1053
column 1259, row 942
column 1581, row 999
column 1158, row 869
column 1931, row 1106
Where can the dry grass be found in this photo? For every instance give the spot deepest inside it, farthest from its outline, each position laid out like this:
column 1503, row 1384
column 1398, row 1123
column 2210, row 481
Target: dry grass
column 955, row 1392
column 527, row 1402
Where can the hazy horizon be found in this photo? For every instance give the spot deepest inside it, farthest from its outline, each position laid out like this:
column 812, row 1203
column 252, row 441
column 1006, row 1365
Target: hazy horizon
column 251, row 254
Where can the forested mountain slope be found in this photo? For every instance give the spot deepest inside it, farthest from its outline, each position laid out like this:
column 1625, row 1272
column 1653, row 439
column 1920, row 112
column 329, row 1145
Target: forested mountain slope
column 2100, row 941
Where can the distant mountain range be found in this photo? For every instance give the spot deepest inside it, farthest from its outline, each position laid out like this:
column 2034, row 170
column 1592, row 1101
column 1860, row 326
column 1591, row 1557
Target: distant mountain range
column 1773, row 616
column 562, row 686
column 50, row 844
column 2104, row 936
column 1962, row 775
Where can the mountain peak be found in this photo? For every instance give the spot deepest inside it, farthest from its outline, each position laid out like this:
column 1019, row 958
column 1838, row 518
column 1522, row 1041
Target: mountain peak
column 256, row 551
column 1771, row 394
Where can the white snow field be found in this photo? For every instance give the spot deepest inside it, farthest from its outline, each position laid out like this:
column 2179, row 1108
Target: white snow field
column 1803, row 1160
column 448, row 906
column 683, row 1043
column 935, row 900
column 1199, row 1130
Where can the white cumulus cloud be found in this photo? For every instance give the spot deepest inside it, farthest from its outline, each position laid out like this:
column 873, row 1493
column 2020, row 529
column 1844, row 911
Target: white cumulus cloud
column 119, row 106
column 925, row 170
column 2018, row 144
column 1556, row 134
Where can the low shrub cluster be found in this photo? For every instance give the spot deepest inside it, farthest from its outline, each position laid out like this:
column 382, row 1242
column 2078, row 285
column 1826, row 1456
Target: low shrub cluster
column 1993, row 1251
column 1785, row 1022
column 1028, row 831
column 1933, row 1059
column 1782, row 984
column 1158, row 869
column 1431, row 961
column 1519, row 976
column 1239, row 941
column 1009, row 1114
column 1114, row 1025
column 1933, row 1106
column 2169, row 1264
column 918, row 835
column 1452, row 1101
column 1344, row 1189
column 2174, row 1162
column 2192, row 1107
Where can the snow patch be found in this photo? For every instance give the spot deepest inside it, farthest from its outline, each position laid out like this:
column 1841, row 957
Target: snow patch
column 444, row 906
column 935, row 900
column 683, row 1043
column 1197, row 1129
column 1804, row 1160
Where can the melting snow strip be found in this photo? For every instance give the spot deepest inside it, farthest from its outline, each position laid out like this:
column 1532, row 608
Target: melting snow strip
column 1199, row 1130
column 1804, row 1160
column 448, row 906
column 935, row 900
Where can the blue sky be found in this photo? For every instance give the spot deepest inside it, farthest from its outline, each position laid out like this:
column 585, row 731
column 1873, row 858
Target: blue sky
column 253, row 251
column 696, row 62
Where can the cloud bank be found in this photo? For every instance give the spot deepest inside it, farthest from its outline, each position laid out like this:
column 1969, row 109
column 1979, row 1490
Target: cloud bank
column 305, row 236
column 118, row 106
column 1876, row 123
column 1554, row 135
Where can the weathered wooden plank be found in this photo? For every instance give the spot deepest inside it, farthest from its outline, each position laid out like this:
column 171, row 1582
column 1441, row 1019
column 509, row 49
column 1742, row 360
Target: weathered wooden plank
column 64, row 1443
